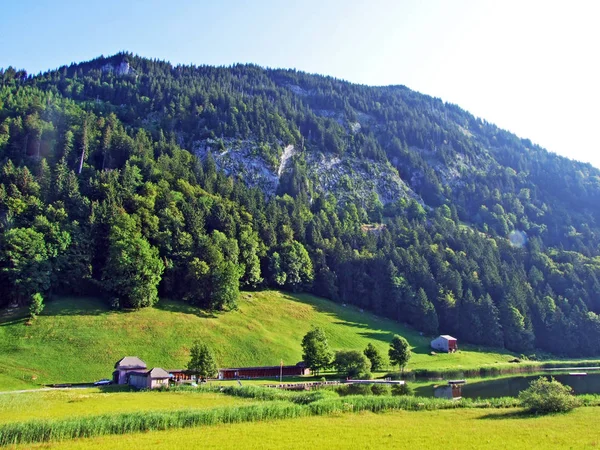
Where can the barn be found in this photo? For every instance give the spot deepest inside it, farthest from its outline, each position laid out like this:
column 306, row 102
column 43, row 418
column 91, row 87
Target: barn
column 149, row 379
column 264, row 372
column 445, row 343
column 125, row 366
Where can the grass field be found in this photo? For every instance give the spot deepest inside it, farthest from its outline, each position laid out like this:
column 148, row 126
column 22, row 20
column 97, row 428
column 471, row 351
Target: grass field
column 88, row 402
column 448, row 429
column 80, row 339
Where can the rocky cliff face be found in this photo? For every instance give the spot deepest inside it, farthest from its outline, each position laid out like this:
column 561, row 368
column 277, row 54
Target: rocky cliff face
column 348, row 178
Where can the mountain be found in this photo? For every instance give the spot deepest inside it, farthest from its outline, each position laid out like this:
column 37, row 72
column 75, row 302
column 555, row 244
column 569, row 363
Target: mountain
column 131, row 178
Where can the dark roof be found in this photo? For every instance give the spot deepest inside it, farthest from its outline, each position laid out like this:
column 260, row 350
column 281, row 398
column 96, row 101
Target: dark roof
column 130, row 362
column 155, row 373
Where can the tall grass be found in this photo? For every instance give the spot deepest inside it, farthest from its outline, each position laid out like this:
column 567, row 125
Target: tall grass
column 57, row 430
column 384, row 403
column 264, row 393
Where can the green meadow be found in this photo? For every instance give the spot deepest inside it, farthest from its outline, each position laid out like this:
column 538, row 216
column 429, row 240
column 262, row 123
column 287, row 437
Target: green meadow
column 448, row 429
column 80, row 339
column 59, row 404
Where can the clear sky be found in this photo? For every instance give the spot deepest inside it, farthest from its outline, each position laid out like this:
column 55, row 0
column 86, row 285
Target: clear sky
column 528, row 66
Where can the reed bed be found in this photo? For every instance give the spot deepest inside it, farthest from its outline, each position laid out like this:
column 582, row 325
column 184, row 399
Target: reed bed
column 377, row 404
column 85, row 427
column 265, row 393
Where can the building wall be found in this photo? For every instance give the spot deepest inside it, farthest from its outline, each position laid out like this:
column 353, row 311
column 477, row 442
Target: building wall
column 122, row 375
column 158, row 383
column 263, row 372
column 440, row 344
column 138, row 381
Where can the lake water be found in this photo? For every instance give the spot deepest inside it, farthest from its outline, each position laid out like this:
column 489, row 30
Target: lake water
column 511, row 386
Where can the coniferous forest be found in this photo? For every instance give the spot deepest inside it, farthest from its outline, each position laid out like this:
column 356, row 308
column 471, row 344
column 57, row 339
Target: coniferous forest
column 103, row 191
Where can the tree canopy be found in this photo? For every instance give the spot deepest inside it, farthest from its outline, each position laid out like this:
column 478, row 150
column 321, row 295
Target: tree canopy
column 316, row 353
column 202, row 361
column 134, row 185
column 399, row 352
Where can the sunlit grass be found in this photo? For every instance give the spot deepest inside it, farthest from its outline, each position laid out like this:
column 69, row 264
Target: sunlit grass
column 80, row 339
column 449, row 429
column 87, row 402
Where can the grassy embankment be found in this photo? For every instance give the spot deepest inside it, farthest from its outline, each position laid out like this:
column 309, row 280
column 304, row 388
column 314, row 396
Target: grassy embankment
column 80, row 339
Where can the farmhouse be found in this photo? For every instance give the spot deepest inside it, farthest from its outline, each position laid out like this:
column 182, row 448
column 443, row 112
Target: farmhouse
column 125, row 366
column 264, row 371
column 445, row 343
column 149, row 379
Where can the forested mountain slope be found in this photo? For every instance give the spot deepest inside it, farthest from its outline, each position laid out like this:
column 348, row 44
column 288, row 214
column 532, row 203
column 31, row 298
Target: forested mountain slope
column 135, row 178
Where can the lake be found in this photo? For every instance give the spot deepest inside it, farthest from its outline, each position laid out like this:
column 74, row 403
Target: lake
column 511, row 386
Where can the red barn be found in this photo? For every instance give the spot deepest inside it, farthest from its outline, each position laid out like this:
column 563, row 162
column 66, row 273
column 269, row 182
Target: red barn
column 264, row 372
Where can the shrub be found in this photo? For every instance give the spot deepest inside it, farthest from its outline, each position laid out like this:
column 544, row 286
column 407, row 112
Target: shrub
column 546, row 396
column 354, row 389
column 352, row 363
column 381, row 389
column 402, row 389
column 36, row 305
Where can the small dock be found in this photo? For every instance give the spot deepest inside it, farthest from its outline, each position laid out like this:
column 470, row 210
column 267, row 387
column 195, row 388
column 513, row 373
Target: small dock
column 302, row 386
column 391, row 382
column 316, row 384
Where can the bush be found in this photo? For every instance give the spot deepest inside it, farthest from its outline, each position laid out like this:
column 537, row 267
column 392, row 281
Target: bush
column 546, row 396
column 402, row 389
column 354, row 389
column 381, row 389
column 36, row 305
column 351, row 363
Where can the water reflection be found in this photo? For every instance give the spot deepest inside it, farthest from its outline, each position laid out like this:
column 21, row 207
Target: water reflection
column 511, row 386
column 452, row 391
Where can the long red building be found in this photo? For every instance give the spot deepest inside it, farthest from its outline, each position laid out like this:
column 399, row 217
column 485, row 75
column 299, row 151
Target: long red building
column 264, row 372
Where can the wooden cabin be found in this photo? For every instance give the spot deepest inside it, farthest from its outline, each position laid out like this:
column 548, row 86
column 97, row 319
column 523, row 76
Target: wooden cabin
column 445, row 343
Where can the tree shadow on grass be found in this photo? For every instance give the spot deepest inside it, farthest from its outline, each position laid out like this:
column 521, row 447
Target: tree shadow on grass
column 12, row 321
column 378, row 336
column 114, row 388
column 184, row 308
column 520, row 414
column 75, row 306
column 352, row 324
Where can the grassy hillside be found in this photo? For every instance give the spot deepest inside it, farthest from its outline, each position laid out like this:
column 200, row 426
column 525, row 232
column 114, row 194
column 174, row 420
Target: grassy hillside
column 78, row 340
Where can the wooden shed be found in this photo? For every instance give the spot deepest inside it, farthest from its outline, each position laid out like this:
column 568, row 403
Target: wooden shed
column 445, row 343
column 150, row 379
column 125, row 366
column 264, row 372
